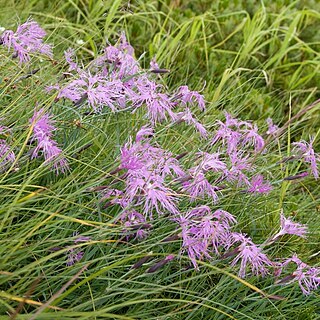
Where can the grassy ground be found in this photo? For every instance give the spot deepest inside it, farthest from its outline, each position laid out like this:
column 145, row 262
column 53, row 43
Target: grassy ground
column 255, row 60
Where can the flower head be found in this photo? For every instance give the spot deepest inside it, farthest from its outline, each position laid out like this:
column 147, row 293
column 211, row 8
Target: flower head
column 308, row 154
column 27, row 39
column 287, row 226
column 7, row 156
column 42, row 132
column 250, row 255
column 307, row 277
column 257, row 185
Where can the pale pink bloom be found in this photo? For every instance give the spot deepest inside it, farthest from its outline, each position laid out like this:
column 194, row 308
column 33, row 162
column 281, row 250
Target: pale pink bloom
column 7, row 156
column 199, row 186
column 204, row 232
column 272, row 128
column 160, row 198
column 189, row 119
column 229, row 137
column 27, row 39
column 145, row 131
column 159, row 106
column 237, row 173
column 257, row 185
column 252, row 137
column 308, row 154
column 307, row 277
column 211, row 162
column 43, row 129
column 188, row 96
column 251, row 256
column 287, row 226
column 135, row 223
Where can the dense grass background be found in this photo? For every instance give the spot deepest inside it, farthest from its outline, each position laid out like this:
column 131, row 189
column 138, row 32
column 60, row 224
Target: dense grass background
column 253, row 59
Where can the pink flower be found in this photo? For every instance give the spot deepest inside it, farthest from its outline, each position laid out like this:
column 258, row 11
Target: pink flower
column 134, row 223
column 27, row 39
column 189, row 119
column 257, row 185
column 42, row 132
column 187, row 96
column 211, row 162
column 289, row 227
column 272, row 128
column 204, row 232
column 199, row 186
column 251, row 255
column 307, row 277
column 7, row 156
column 251, row 137
column 308, row 154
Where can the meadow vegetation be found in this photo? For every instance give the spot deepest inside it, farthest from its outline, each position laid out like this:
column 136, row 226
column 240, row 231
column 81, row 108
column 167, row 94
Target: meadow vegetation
column 81, row 238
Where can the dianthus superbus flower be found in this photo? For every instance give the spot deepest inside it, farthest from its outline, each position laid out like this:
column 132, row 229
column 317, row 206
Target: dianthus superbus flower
column 27, row 39
column 307, row 277
column 43, row 129
column 307, row 153
column 258, row 185
column 7, row 156
column 289, row 227
column 251, row 256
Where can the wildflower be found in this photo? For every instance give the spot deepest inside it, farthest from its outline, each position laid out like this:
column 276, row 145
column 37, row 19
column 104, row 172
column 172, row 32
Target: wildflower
column 42, row 132
column 74, row 256
column 239, row 164
column 229, row 137
column 272, row 128
column 307, row 277
column 27, row 39
column 145, row 131
column 199, row 186
column 188, row 96
column 251, row 137
column 189, row 119
column 204, row 232
column 95, row 89
column 308, row 154
column 160, row 198
column 287, row 226
column 133, row 220
column 257, row 185
column 69, row 54
column 211, row 162
column 7, row 156
column 158, row 104
column 251, row 255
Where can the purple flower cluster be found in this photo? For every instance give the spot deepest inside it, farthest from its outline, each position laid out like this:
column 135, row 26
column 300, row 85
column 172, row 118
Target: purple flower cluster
column 27, row 39
column 149, row 180
column 43, row 129
column 116, row 80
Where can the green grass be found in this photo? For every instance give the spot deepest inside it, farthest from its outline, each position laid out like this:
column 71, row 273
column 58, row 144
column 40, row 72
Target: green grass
column 253, row 59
